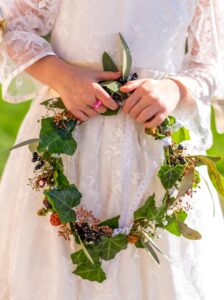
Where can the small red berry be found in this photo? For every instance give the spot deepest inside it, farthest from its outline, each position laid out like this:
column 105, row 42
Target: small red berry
column 55, row 220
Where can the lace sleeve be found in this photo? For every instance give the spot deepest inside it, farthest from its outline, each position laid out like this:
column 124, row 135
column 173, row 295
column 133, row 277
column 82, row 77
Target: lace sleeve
column 23, row 44
column 201, row 69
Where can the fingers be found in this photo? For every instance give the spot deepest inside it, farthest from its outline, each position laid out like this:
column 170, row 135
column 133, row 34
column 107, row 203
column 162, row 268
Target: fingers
column 132, row 100
column 143, row 103
column 107, row 75
column 156, row 121
column 105, row 98
column 147, row 114
column 80, row 115
column 131, row 85
column 90, row 112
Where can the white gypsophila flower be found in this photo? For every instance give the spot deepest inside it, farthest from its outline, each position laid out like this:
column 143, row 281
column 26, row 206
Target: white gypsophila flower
column 124, row 230
column 167, row 141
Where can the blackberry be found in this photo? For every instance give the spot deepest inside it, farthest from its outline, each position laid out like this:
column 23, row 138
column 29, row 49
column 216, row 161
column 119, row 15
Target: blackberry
column 35, row 157
column 38, row 167
column 123, row 80
column 47, row 203
column 180, row 147
column 182, row 160
column 116, row 97
column 134, row 76
column 107, row 90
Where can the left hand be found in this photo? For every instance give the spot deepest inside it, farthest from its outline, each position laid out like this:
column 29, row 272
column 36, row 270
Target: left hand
column 152, row 100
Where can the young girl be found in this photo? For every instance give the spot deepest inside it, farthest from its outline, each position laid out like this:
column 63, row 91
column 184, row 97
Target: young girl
column 115, row 166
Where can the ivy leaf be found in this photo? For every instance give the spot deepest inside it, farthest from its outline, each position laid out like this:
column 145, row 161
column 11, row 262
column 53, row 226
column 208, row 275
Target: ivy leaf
column 91, row 272
column 108, row 63
column 181, row 215
column 182, row 134
column 55, row 140
column 25, row 143
column 80, row 257
column 147, row 211
column 173, row 226
column 170, row 175
column 63, row 200
column 167, row 123
column 138, row 244
column 127, row 59
column 110, row 246
column 60, row 179
column 189, row 233
column 112, row 223
column 186, row 183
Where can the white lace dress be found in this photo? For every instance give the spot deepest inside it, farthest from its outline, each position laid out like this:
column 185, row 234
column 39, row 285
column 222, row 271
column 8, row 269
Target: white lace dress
column 115, row 164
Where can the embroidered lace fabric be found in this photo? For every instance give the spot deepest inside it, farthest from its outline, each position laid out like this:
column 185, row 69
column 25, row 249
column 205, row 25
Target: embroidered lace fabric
column 115, row 165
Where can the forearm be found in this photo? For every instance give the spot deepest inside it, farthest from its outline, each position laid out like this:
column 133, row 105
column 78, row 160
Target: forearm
column 52, row 71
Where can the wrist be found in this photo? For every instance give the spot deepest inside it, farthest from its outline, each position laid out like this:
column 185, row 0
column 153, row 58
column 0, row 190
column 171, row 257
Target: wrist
column 52, row 71
column 185, row 95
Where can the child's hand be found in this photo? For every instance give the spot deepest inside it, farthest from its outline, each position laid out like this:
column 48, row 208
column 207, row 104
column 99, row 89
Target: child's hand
column 77, row 85
column 152, row 100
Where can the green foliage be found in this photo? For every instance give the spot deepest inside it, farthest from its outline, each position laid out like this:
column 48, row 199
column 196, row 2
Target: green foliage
column 127, row 59
column 56, row 140
column 112, row 223
column 218, row 139
column 215, row 175
column 108, row 63
column 110, row 246
column 63, row 200
column 170, row 175
column 182, row 134
column 90, row 272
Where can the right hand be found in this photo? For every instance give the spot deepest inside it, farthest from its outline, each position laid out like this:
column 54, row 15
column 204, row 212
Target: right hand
column 78, row 87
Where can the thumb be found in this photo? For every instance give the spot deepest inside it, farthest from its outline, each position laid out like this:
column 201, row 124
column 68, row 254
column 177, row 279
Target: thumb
column 108, row 75
column 131, row 85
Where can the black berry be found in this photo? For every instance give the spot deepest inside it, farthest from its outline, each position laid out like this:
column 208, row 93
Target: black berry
column 180, row 147
column 134, row 76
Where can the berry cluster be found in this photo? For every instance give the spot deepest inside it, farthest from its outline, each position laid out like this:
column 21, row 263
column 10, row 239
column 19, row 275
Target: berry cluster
column 88, row 233
column 37, row 158
column 176, row 155
column 119, row 97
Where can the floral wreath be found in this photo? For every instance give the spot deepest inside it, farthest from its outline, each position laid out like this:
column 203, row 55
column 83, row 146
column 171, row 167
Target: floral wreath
column 101, row 240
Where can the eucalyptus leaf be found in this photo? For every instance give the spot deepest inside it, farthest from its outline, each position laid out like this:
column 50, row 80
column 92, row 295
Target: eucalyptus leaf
column 33, row 146
column 152, row 243
column 186, row 183
column 25, row 143
column 189, row 233
column 127, row 59
column 112, row 85
column 220, row 166
column 54, row 103
column 216, row 177
column 108, row 63
column 150, row 250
